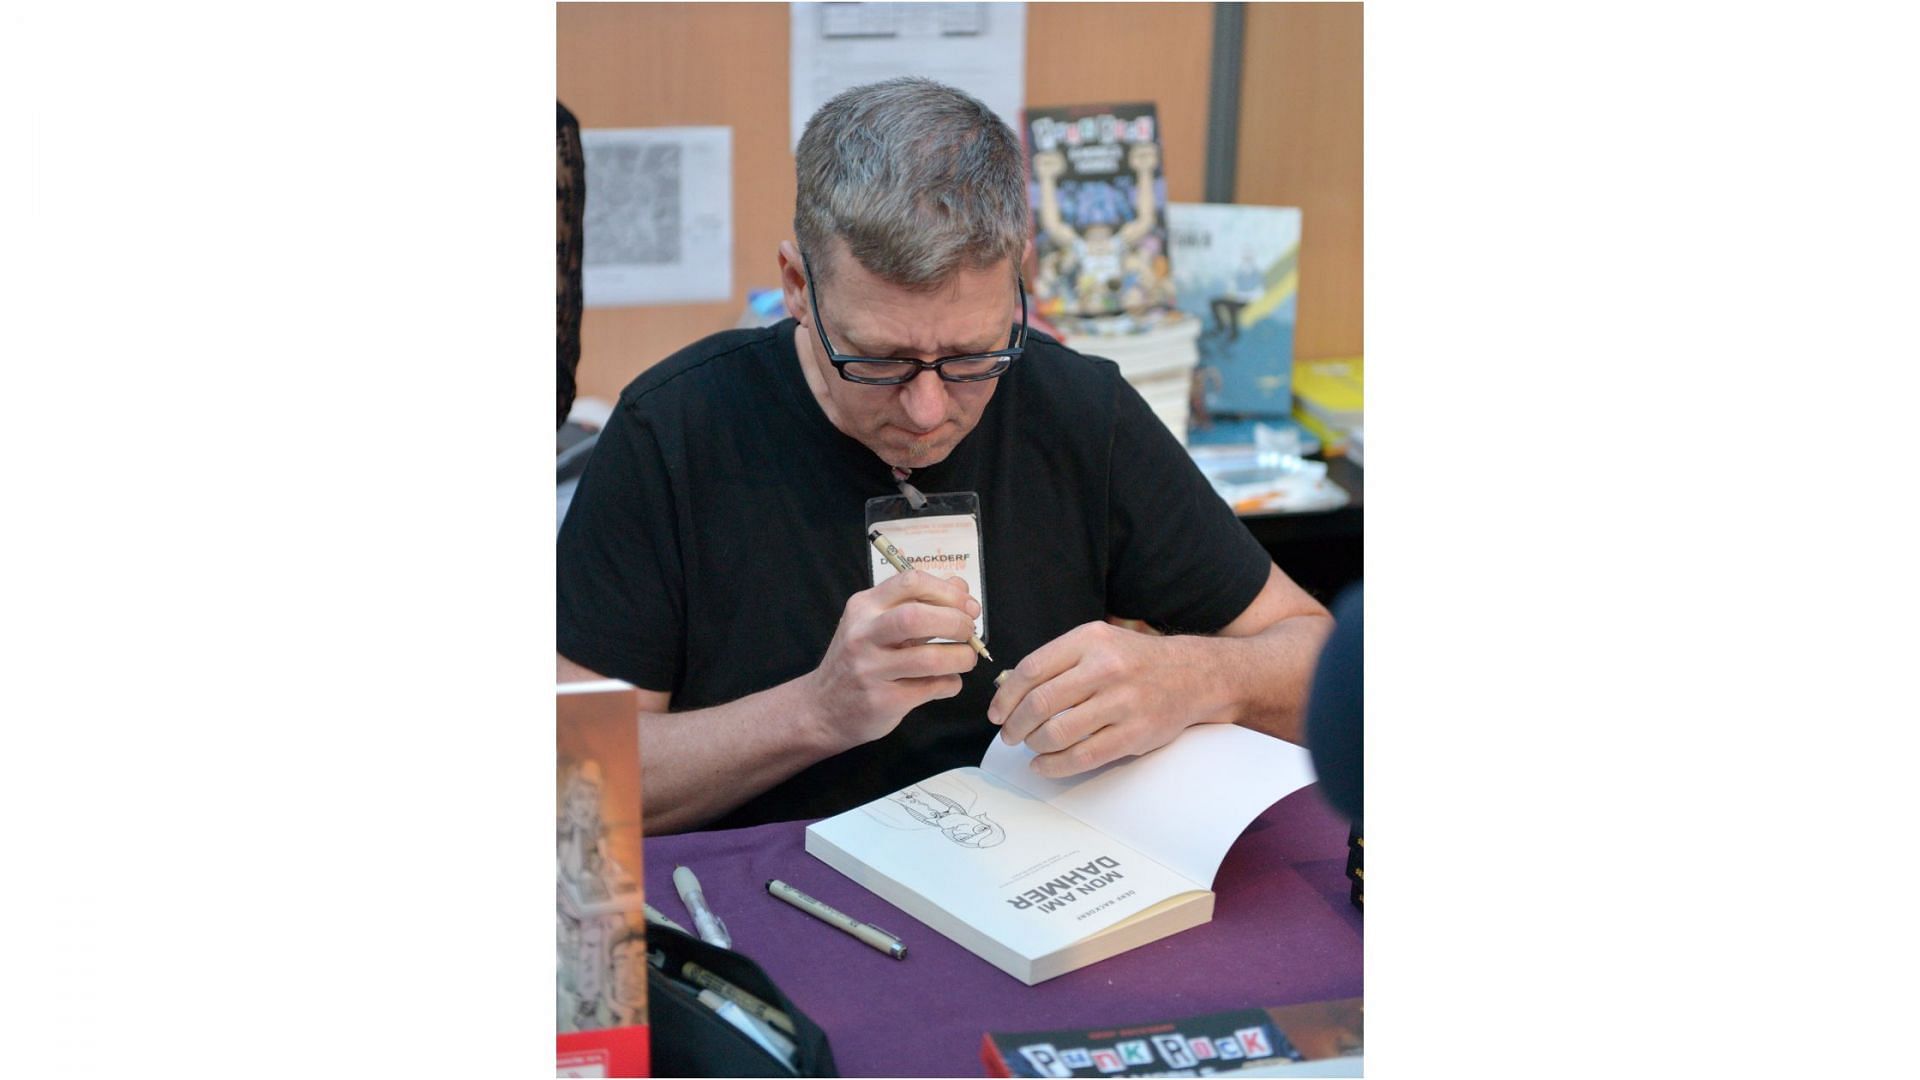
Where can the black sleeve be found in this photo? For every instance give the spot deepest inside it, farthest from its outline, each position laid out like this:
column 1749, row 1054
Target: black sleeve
column 1178, row 558
column 620, row 586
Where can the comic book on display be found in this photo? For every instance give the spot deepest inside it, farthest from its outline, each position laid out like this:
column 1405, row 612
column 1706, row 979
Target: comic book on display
column 1039, row 877
column 1237, row 270
column 602, row 970
column 1288, row 1040
column 1099, row 209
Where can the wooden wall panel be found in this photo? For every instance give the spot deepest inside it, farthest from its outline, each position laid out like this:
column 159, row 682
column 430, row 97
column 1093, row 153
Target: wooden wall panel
column 1300, row 145
column 1131, row 52
column 659, row 65
column 684, row 65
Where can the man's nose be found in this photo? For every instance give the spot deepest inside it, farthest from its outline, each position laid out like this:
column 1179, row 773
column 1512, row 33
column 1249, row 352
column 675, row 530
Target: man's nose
column 925, row 400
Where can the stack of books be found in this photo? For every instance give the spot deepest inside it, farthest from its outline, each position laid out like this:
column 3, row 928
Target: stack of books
column 1158, row 360
column 1103, row 277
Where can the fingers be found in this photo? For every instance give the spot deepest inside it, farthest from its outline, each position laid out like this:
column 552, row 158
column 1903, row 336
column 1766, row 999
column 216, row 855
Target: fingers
column 922, row 661
column 1045, row 663
column 917, row 621
column 1066, row 727
column 932, row 687
column 1109, row 744
column 918, row 585
column 1043, row 706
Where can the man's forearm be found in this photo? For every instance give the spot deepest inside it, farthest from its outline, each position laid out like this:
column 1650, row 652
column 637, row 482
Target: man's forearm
column 1261, row 681
column 696, row 766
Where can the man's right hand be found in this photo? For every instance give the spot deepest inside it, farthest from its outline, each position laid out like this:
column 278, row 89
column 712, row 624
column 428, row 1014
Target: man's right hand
column 881, row 666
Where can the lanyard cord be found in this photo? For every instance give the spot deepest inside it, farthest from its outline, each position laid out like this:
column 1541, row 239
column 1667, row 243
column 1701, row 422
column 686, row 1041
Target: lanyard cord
column 914, row 499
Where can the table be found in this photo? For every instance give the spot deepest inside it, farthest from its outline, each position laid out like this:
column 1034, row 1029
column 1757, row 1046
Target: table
column 1283, row 932
column 1322, row 550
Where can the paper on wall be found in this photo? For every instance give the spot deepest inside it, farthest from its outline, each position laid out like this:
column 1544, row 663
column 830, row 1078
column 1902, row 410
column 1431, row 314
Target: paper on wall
column 659, row 215
column 980, row 48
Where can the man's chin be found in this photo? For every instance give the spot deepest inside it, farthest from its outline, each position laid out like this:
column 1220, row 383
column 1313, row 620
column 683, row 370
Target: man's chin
column 919, row 457
column 915, row 454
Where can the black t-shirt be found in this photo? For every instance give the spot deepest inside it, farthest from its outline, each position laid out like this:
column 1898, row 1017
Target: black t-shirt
column 719, row 530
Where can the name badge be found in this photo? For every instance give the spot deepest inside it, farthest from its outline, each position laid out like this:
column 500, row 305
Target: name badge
column 941, row 538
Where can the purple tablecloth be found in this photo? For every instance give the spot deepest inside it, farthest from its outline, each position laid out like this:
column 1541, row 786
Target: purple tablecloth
column 1283, row 932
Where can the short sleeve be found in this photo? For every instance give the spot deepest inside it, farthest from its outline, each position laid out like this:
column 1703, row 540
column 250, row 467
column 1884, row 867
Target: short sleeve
column 620, row 586
column 1178, row 558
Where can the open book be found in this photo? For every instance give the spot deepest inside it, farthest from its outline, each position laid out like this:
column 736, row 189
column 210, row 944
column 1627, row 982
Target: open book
column 1039, row 877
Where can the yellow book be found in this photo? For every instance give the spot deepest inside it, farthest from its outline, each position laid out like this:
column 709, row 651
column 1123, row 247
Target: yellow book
column 1330, row 386
column 1328, row 397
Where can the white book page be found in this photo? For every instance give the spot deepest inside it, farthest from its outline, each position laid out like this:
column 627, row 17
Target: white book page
column 591, row 686
column 1182, row 805
column 1001, row 860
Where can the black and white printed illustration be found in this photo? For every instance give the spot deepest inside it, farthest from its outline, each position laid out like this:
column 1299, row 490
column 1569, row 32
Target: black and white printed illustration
column 586, row 868
column 979, row 48
column 948, row 809
column 659, row 216
column 602, row 949
column 638, row 221
column 602, row 970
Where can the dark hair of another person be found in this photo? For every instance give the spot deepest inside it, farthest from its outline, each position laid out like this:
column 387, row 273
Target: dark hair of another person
column 1336, row 708
column 572, row 198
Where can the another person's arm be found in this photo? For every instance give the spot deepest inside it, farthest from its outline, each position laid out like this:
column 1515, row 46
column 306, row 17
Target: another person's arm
column 698, row 765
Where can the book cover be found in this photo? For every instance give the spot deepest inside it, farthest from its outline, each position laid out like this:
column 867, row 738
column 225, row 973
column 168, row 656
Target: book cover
column 1237, row 270
column 601, row 1015
column 1040, row 877
column 1329, row 399
column 1099, row 207
column 1236, row 1041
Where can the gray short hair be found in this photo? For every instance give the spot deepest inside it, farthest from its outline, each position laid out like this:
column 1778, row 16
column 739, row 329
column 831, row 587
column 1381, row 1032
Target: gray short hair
column 919, row 179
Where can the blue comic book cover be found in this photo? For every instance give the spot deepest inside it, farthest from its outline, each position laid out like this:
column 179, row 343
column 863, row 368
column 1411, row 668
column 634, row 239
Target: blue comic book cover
column 1237, row 270
column 1098, row 199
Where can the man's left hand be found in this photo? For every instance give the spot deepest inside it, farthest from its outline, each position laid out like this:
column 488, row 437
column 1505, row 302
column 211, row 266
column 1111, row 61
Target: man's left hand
column 1099, row 693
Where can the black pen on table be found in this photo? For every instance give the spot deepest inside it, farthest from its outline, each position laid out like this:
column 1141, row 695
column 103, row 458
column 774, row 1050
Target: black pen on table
column 866, row 932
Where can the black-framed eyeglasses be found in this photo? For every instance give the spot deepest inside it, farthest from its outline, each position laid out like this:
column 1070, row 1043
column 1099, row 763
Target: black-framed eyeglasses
column 891, row 371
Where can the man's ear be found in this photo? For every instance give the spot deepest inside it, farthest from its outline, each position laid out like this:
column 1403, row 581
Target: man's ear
column 793, row 284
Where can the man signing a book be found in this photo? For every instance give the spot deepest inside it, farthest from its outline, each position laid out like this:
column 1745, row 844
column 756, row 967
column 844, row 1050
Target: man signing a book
column 716, row 553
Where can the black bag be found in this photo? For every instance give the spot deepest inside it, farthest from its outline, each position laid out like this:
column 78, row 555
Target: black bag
column 690, row 1039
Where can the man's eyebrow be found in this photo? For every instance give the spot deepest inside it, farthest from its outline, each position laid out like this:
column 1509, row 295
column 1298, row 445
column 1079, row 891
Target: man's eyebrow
column 878, row 352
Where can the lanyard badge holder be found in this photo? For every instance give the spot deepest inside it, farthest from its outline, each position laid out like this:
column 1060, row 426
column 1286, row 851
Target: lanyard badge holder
column 939, row 533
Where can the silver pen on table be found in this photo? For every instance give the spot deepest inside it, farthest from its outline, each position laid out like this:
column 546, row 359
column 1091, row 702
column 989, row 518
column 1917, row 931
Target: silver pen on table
column 866, row 932
column 654, row 914
column 712, row 930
